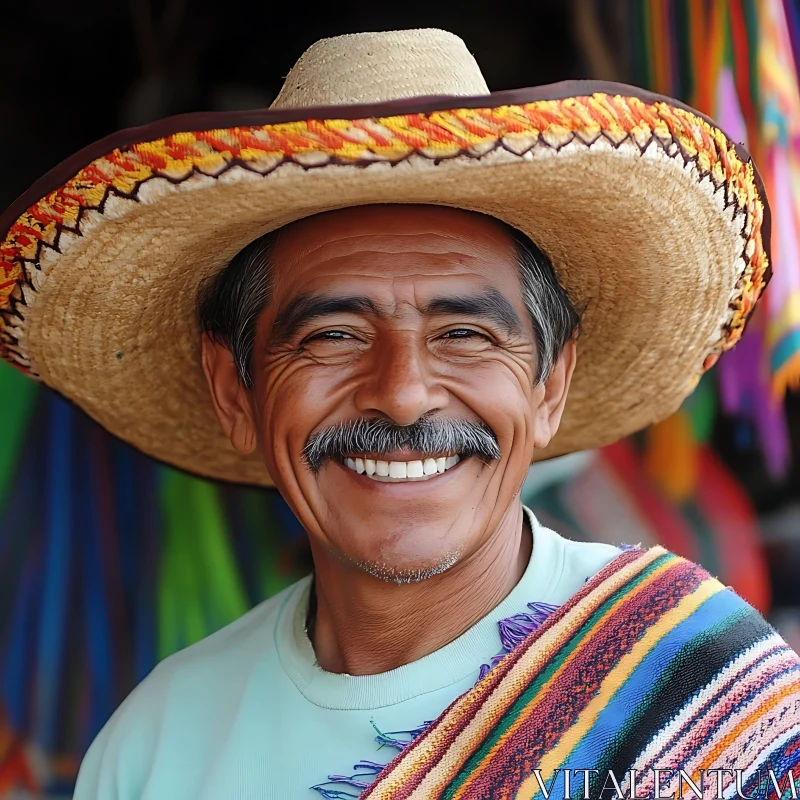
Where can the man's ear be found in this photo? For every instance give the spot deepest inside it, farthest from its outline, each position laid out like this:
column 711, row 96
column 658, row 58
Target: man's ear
column 552, row 396
column 230, row 396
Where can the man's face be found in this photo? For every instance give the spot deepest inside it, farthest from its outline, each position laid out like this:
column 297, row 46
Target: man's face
column 397, row 313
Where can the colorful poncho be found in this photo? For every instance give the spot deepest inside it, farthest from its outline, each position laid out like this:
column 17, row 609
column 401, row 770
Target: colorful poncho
column 654, row 665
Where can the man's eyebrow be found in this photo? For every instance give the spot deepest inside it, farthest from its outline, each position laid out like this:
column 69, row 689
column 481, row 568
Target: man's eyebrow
column 307, row 307
column 491, row 305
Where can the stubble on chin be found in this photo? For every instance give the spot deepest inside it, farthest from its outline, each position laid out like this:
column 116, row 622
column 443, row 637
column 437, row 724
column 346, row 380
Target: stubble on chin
column 403, row 575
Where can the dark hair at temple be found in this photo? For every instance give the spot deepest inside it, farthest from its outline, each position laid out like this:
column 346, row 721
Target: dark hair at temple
column 230, row 302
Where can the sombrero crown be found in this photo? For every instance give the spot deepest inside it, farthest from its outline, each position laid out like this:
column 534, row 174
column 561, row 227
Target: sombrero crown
column 654, row 220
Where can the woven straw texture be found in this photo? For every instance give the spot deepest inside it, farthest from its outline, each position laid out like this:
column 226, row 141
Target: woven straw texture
column 651, row 216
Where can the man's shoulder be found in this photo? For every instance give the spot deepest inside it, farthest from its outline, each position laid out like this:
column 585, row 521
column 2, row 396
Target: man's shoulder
column 594, row 555
column 568, row 563
column 183, row 694
column 242, row 641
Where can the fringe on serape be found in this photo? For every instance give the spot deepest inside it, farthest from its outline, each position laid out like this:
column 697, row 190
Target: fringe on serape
column 653, row 664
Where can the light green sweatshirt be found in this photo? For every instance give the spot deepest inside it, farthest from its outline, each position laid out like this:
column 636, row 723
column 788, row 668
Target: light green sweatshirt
column 247, row 713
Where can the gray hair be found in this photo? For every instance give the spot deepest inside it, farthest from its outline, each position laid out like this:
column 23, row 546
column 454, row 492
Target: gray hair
column 555, row 319
column 230, row 302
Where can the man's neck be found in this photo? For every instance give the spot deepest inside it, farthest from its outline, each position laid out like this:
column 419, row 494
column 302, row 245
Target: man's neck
column 365, row 626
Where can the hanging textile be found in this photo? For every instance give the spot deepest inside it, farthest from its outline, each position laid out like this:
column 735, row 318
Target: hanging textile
column 109, row 562
column 737, row 61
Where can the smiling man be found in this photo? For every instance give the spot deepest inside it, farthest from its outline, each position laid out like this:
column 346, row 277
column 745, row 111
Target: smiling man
column 400, row 365
column 387, row 296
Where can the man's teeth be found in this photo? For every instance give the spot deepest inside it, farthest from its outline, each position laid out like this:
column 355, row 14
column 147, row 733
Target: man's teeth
column 401, row 470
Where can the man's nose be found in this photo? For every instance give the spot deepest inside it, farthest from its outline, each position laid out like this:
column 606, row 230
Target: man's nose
column 400, row 384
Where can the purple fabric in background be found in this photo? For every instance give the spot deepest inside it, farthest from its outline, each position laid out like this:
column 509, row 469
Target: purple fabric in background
column 744, row 382
column 745, row 390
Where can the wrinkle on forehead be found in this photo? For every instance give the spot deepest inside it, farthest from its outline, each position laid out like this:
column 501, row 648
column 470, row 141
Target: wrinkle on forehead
column 392, row 229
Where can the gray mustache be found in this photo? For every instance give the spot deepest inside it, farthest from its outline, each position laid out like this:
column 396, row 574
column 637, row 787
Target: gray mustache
column 428, row 435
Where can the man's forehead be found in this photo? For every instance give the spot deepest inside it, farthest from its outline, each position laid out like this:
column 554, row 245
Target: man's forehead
column 392, row 229
column 383, row 260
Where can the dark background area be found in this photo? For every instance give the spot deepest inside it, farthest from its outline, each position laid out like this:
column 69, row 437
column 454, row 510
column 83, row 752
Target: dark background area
column 71, row 73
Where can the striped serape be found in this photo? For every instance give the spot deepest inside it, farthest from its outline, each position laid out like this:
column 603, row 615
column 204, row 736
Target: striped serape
column 653, row 665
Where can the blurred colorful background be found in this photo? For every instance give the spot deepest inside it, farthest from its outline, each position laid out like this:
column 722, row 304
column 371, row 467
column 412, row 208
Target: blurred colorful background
column 110, row 562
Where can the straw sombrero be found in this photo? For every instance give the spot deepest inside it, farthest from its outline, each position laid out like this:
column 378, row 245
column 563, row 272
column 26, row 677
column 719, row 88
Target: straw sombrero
column 655, row 221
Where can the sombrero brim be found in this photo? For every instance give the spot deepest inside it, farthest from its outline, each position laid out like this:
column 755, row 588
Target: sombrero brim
column 656, row 223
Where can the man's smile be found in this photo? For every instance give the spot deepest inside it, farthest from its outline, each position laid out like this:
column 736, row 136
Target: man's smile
column 408, row 470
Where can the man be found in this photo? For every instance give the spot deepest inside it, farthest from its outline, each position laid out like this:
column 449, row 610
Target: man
column 384, row 306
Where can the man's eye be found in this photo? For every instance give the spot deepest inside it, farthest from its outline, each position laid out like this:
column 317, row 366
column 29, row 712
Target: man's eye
column 328, row 336
column 463, row 333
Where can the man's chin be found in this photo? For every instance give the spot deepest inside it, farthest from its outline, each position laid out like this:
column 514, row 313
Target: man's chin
column 400, row 533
